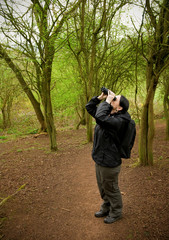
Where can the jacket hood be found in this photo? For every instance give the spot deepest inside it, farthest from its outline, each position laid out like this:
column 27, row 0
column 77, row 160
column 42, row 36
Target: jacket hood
column 125, row 116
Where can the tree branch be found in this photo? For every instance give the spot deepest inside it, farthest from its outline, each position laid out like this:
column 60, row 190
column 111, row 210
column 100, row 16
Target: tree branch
column 152, row 17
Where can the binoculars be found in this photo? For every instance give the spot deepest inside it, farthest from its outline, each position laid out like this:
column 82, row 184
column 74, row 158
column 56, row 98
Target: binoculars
column 105, row 91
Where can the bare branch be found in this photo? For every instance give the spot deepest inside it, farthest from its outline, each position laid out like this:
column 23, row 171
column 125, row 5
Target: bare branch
column 149, row 11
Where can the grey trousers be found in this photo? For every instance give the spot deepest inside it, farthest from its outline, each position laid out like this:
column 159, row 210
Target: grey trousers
column 107, row 180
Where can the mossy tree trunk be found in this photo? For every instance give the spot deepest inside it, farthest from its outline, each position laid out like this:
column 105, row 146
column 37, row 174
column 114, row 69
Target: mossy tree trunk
column 6, row 111
column 46, row 93
column 166, row 104
column 4, row 117
column 89, row 128
column 146, row 134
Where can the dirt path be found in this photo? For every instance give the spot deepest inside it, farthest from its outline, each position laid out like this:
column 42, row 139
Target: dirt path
column 61, row 195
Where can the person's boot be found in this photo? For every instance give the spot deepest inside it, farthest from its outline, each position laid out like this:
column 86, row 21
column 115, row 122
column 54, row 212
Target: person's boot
column 109, row 219
column 101, row 214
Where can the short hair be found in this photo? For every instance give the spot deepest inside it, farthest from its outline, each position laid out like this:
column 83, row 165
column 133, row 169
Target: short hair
column 124, row 103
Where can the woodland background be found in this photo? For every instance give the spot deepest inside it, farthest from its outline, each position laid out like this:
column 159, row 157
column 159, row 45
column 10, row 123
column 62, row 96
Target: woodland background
column 56, row 55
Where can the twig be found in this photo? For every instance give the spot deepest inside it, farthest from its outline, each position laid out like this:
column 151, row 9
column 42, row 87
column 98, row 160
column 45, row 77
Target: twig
column 65, row 209
column 7, row 198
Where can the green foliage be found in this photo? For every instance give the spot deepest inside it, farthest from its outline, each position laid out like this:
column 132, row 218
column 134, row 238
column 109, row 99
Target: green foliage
column 3, row 137
column 65, row 90
column 24, row 121
column 9, row 91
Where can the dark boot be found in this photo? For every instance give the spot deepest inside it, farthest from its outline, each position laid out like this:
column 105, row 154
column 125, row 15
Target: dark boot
column 101, row 214
column 109, row 219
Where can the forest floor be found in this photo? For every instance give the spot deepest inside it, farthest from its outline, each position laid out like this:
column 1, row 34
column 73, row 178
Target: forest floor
column 61, row 195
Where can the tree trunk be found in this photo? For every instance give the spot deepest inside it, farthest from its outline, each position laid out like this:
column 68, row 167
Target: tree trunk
column 6, row 109
column 88, row 117
column 89, row 128
column 166, row 102
column 146, row 134
column 150, row 130
column 49, row 118
column 4, row 116
column 166, row 112
column 81, row 112
column 143, row 136
column 46, row 94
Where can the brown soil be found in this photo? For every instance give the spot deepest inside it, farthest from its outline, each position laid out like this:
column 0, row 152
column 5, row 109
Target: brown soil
column 61, row 195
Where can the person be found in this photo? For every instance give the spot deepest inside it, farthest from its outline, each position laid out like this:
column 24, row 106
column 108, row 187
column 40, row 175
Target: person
column 111, row 118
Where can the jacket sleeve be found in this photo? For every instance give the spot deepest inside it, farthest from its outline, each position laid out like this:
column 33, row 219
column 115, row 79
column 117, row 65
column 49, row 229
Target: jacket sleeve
column 104, row 118
column 91, row 106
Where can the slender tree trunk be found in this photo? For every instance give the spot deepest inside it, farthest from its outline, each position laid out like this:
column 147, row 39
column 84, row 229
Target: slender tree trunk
column 81, row 112
column 46, row 94
column 167, row 127
column 150, row 129
column 49, row 116
column 166, row 111
column 166, row 103
column 8, row 108
column 146, row 134
column 4, row 116
column 143, row 136
column 88, row 117
column 89, row 128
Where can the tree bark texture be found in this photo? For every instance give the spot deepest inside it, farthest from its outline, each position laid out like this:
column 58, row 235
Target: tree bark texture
column 147, row 120
column 6, row 113
column 166, row 105
column 46, row 94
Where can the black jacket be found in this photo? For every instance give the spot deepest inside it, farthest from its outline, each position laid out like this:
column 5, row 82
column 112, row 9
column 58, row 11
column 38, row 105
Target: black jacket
column 108, row 132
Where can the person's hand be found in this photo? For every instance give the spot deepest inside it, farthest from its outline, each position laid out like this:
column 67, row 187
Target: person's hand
column 102, row 96
column 110, row 97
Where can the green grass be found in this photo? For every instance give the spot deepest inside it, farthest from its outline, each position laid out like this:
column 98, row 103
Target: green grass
column 21, row 126
column 3, row 137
